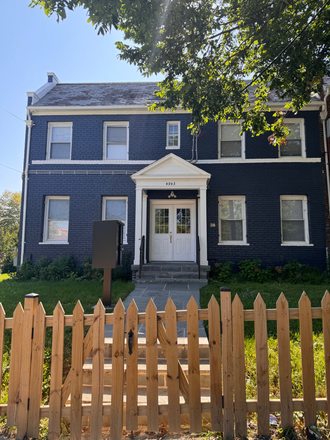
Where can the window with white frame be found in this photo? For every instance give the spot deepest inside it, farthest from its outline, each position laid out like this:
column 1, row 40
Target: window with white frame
column 294, row 220
column 59, row 140
column 115, row 208
column 173, row 135
column 232, row 220
column 56, row 225
column 294, row 146
column 116, row 140
column 231, row 144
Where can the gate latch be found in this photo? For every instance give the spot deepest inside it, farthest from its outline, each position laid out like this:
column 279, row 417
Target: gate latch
column 130, row 341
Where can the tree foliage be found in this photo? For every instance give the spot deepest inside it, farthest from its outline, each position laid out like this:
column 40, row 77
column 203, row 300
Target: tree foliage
column 10, row 206
column 205, row 49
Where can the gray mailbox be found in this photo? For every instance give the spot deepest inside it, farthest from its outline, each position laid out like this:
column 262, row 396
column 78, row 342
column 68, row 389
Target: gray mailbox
column 107, row 251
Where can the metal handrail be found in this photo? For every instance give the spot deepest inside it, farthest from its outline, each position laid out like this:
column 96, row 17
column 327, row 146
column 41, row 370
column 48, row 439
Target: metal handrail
column 198, row 256
column 141, row 255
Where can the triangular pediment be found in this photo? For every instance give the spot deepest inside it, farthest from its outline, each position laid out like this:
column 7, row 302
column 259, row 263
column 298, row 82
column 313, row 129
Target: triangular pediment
column 171, row 166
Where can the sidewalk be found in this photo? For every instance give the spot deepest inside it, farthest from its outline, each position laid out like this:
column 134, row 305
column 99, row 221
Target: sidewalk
column 160, row 293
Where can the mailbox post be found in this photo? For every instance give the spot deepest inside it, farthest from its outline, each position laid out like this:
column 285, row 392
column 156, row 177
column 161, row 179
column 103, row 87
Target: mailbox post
column 107, row 251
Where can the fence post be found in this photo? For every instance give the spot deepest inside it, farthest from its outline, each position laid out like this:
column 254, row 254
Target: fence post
column 227, row 359
column 30, row 306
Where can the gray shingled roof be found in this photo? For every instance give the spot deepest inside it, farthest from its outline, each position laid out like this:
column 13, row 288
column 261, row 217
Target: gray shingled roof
column 113, row 94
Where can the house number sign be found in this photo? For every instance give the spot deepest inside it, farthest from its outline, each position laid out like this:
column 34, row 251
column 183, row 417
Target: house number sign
column 170, row 183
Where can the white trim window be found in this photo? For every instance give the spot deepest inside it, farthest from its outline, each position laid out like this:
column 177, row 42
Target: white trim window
column 294, row 220
column 231, row 144
column 59, row 140
column 56, row 224
column 294, row 146
column 173, row 135
column 115, row 139
column 115, row 208
column 232, row 220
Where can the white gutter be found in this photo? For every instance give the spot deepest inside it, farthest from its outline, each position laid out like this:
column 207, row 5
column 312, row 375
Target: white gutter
column 323, row 115
column 29, row 124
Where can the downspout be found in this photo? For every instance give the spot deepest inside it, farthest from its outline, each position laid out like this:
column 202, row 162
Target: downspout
column 29, row 124
column 323, row 115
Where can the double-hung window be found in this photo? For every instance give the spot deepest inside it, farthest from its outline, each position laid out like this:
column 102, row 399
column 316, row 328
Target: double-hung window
column 59, row 140
column 56, row 225
column 294, row 220
column 115, row 208
column 173, row 135
column 116, row 140
column 231, row 144
column 232, row 220
column 294, row 146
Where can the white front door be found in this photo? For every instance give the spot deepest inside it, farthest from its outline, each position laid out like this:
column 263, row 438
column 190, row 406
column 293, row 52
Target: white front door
column 172, row 230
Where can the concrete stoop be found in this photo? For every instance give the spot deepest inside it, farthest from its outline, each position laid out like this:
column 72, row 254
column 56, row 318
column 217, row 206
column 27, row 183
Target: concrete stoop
column 176, row 272
column 142, row 380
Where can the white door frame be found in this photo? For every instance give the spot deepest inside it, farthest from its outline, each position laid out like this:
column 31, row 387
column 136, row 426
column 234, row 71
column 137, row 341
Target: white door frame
column 179, row 203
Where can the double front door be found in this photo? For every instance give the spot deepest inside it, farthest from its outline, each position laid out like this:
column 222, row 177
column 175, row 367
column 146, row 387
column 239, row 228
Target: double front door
column 172, row 230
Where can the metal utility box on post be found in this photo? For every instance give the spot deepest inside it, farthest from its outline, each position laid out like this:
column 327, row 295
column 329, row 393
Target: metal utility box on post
column 107, row 251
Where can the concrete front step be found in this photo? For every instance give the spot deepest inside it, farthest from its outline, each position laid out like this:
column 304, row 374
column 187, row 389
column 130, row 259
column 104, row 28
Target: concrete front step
column 142, row 369
column 182, row 346
column 157, row 280
column 142, row 395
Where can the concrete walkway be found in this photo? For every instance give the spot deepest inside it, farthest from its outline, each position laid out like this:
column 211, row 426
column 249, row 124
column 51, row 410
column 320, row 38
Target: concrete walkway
column 160, row 293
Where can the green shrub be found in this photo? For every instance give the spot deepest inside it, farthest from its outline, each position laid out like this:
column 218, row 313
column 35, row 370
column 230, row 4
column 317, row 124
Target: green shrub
column 222, row 272
column 250, row 270
column 88, row 273
column 26, row 271
column 124, row 273
column 61, row 268
column 7, row 265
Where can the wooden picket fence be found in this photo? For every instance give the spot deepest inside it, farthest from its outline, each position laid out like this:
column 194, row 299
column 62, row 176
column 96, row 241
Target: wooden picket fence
column 227, row 405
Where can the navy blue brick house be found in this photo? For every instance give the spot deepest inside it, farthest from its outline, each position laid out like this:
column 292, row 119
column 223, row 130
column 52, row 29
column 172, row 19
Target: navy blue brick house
column 94, row 151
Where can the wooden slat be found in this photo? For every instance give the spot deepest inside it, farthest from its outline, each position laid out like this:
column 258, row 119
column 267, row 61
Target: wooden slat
column 30, row 306
column 2, row 334
column 172, row 367
column 183, row 381
column 195, row 408
column 307, row 359
column 227, row 360
column 132, row 368
column 38, row 349
column 284, row 361
column 56, row 374
column 88, row 344
column 116, row 418
column 326, row 339
column 15, row 366
column 239, row 368
column 215, row 365
column 97, row 372
column 152, row 373
column 260, row 331
column 77, row 364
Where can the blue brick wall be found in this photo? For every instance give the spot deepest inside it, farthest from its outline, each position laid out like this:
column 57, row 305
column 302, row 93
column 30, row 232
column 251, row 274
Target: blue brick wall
column 261, row 184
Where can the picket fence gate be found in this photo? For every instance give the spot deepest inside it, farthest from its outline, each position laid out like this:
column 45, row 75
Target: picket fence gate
column 227, row 406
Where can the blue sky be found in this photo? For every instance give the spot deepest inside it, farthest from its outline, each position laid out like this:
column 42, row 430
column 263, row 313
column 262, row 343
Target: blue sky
column 32, row 45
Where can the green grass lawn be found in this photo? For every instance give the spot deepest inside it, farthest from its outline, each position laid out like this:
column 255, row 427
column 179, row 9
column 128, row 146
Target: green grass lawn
column 68, row 292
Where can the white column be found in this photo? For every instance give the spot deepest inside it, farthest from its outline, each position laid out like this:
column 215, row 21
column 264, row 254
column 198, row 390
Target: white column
column 202, row 221
column 144, row 224
column 138, row 224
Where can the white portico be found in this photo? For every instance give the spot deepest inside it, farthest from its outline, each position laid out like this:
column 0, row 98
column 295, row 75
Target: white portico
column 172, row 222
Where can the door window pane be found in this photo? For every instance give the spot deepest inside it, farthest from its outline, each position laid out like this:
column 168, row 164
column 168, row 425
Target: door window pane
column 183, row 221
column 161, row 221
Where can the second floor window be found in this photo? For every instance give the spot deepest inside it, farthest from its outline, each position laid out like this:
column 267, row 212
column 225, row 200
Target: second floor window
column 116, row 140
column 294, row 146
column 231, row 144
column 59, row 140
column 173, row 135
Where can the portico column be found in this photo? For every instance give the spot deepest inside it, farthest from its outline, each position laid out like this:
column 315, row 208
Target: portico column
column 138, row 224
column 144, row 223
column 202, row 220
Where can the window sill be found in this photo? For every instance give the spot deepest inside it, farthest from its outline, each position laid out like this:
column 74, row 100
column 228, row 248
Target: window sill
column 172, row 148
column 296, row 244
column 233, row 244
column 53, row 242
